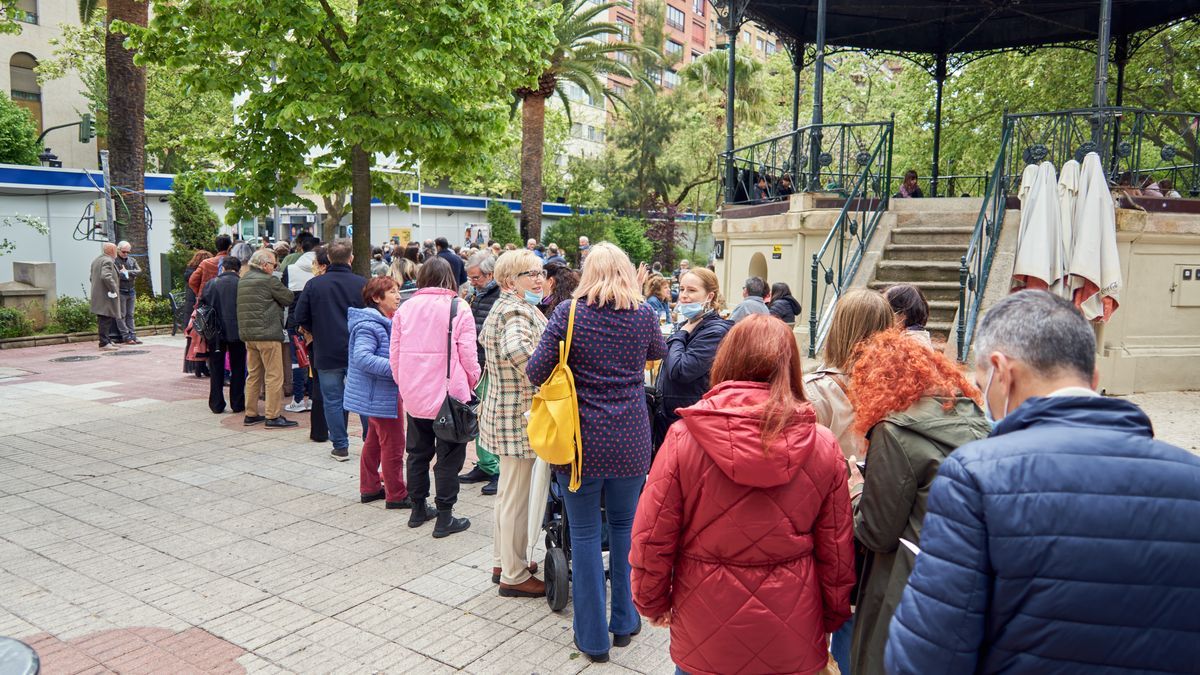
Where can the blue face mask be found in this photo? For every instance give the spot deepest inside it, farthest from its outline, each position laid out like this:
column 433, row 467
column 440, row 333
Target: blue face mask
column 533, row 298
column 690, row 310
column 987, row 408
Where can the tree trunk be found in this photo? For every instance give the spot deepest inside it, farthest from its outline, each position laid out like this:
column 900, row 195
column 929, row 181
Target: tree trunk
column 533, row 137
column 360, row 204
column 127, row 133
column 335, row 208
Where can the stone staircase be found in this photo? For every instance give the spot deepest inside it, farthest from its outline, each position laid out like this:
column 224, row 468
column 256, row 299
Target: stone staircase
column 924, row 248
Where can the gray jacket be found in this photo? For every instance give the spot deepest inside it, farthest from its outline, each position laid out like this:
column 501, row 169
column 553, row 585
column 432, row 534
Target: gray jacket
column 751, row 305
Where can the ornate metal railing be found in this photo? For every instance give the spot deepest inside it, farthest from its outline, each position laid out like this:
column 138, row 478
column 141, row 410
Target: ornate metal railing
column 836, row 262
column 821, row 157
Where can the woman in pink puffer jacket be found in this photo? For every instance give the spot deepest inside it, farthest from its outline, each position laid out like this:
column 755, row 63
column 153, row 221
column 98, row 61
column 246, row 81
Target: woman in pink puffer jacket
column 418, row 354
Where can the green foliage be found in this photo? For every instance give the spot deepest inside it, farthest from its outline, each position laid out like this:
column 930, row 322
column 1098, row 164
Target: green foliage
column 14, row 323
column 499, row 171
column 8, row 17
column 194, row 225
column 630, row 235
column 503, row 224
column 18, row 134
column 71, row 315
column 152, row 310
column 178, row 258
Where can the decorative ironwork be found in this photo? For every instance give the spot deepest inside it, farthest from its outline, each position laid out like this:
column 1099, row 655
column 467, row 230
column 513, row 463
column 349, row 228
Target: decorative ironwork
column 863, row 158
column 1167, row 153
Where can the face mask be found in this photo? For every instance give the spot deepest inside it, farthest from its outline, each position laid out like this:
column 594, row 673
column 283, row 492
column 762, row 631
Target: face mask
column 533, row 298
column 987, row 408
column 690, row 310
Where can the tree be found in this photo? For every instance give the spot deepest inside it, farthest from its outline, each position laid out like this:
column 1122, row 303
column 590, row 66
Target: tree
column 194, row 225
column 503, row 225
column 342, row 85
column 18, row 134
column 499, row 172
column 566, row 232
column 630, row 235
column 581, row 54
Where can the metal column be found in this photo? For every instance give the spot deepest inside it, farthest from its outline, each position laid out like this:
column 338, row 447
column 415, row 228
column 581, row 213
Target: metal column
column 939, row 76
column 1102, row 44
column 818, row 115
column 733, row 24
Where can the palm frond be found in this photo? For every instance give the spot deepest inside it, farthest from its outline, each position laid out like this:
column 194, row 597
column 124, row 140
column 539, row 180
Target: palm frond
column 87, row 9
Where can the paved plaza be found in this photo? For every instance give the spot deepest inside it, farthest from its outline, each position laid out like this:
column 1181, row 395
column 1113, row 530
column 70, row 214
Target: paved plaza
column 141, row 533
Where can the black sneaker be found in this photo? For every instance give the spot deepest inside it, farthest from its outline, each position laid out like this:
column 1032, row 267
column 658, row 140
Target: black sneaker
column 405, row 503
column 624, row 640
column 367, row 499
column 281, row 422
column 594, row 658
column 340, row 454
column 492, row 486
column 475, row 475
column 251, row 420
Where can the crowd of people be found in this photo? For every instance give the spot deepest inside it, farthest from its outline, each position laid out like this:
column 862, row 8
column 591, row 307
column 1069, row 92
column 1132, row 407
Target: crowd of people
column 885, row 510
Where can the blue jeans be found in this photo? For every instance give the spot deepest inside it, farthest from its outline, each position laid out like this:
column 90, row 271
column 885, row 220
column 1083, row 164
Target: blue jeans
column 333, row 388
column 839, row 645
column 587, row 567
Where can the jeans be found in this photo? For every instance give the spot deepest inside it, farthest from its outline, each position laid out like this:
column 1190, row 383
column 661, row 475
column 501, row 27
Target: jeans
column 237, row 377
column 839, row 645
column 333, row 388
column 587, row 573
column 422, row 446
column 300, row 381
column 128, row 303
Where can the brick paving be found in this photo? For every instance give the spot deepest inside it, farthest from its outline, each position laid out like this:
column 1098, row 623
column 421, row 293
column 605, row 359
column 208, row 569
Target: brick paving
column 141, row 533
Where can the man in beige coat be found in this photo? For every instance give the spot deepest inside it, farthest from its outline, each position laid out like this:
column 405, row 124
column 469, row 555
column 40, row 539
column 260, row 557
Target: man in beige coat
column 106, row 303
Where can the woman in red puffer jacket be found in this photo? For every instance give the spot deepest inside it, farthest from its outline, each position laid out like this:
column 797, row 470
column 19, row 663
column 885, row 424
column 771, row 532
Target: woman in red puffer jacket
column 742, row 539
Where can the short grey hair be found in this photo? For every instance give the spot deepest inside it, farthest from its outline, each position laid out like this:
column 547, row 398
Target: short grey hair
column 124, row 244
column 261, row 257
column 756, row 286
column 486, row 262
column 1040, row 329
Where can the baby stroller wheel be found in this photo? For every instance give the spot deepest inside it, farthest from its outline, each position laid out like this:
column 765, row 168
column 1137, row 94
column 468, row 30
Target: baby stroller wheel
column 558, row 579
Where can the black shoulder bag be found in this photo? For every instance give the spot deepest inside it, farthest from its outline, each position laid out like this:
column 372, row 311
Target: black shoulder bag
column 456, row 422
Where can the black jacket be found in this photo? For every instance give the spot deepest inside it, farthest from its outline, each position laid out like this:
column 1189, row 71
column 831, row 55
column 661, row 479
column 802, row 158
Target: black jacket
column 322, row 312
column 456, row 264
column 684, row 375
column 786, row 309
column 481, row 306
column 221, row 295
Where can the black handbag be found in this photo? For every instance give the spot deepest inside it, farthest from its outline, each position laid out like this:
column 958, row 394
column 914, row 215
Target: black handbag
column 456, row 422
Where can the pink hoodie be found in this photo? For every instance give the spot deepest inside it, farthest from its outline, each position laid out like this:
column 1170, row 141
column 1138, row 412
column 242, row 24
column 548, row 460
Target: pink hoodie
column 418, row 352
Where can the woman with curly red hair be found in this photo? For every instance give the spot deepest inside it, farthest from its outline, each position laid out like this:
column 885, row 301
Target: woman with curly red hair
column 915, row 407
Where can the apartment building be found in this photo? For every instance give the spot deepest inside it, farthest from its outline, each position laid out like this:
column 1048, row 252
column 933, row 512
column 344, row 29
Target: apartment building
column 54, row 102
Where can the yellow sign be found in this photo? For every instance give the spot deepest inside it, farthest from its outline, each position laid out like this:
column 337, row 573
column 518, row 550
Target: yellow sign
column 400, row 235
column 777, row 252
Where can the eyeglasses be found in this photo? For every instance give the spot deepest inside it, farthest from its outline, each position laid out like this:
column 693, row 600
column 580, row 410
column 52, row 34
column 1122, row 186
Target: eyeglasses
column 537, row 274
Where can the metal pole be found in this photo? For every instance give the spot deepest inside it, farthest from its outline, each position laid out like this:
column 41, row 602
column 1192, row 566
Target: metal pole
column 940, row 78
column 1122, row 59
column 731, row 32
column 818, row 116
column 420, row 201
column 1101, row 98
column 110, row 230
column 797, row 65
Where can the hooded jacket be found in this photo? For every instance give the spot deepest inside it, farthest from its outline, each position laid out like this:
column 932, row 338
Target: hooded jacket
column 683, row 379
column 906, row 450
column 749, row 551
column 786, row 309
column 417, row 352
column 370, row 389
column 1066, row 543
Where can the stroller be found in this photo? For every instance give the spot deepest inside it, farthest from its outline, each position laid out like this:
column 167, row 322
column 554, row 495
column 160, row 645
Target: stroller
column 557, row 529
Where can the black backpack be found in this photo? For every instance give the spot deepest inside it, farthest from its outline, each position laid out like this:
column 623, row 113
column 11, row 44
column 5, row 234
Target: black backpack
column 205, row 322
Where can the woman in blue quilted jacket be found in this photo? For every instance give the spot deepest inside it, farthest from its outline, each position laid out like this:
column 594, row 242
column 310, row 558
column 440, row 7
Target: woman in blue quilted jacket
column 370, row 391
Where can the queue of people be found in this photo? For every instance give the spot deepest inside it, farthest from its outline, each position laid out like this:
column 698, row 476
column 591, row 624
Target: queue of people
column 776, row 522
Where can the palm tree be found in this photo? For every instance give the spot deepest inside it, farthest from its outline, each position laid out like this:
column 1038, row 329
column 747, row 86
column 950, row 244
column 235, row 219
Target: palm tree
column 582, row 55
column 126, row 137
column 708, row 75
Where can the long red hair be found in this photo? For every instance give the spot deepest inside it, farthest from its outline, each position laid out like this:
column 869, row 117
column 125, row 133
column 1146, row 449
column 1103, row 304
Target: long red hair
column 761, row 348
column 892, row 371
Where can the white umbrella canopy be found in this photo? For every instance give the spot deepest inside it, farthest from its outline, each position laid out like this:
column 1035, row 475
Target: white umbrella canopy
column 1068, row 196
column 1040, row 260
column 1095, row 265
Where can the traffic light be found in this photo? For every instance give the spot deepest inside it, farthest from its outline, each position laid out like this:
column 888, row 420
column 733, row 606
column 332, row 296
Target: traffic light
column 87, row 128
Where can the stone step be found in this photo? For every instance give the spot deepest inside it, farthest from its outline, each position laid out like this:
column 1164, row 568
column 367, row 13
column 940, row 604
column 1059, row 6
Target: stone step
column 942, row 311
column 940, row 330
column 941, row 252
column 916, row 270
column 959, row 236
column 934, row 290
column 942, row 219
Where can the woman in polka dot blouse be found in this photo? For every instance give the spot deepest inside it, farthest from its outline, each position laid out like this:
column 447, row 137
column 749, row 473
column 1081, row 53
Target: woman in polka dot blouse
column 615, row 334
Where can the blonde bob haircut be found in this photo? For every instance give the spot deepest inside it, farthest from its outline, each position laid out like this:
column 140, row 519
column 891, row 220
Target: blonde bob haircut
column 509, row 265
column 860, row 314
column 609, row 279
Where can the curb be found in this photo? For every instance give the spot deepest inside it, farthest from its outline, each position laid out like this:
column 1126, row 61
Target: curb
column 71, row 338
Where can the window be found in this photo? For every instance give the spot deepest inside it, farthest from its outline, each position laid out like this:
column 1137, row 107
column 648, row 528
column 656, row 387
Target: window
column 623, row 57
column 760, row 45
column 746, row 37
column 577, row 130
column 674, row 48
column 25, row 90
column 618, row 88
column 675, row 17
column 698, row 7
column 626, row 29
column 695, row 55
column 670, row 79
column 771, row 48
column 698, row 32
column 26, row 11
column 656, row 76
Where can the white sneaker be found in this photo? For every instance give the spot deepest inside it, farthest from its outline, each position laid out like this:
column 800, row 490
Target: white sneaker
column 308, row 404
column 110, row 347
column 295, row 407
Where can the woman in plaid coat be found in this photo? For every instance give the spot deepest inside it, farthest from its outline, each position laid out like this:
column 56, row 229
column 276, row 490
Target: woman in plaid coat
column 510, row 334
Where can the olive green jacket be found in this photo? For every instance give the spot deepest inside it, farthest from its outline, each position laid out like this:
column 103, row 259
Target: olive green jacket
column 261, row 300
column 903, row 456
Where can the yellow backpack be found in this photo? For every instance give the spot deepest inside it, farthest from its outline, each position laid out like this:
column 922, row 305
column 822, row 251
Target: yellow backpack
column 554, row 417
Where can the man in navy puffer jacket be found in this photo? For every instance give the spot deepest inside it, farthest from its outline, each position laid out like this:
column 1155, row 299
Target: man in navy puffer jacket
column 1068, row 541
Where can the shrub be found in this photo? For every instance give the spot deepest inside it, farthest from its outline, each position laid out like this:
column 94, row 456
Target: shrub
column 72, row 315
column 18, row 134
column 14, row 323
column 502, row 224
column 630, row 235
column 597, row 227
column 152, row 311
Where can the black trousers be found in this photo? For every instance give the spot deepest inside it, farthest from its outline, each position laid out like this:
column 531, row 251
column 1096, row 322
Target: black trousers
column 237, row 377
column 318, row 431
column 422, row 446
column 107, row 326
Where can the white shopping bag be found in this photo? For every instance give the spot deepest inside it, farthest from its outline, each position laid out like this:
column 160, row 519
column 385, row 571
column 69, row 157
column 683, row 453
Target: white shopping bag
column 539, row 491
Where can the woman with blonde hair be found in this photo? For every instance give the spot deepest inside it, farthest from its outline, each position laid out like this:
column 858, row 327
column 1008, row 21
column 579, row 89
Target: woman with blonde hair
column 404, row 271
column 683, row 377
column 510, row 334
column 615, row 333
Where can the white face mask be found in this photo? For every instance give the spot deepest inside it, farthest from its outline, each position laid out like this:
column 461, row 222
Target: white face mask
column 987, row 408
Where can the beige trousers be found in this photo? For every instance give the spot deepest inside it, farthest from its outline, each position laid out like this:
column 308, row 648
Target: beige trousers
column 510, row 529
column 263, row 360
